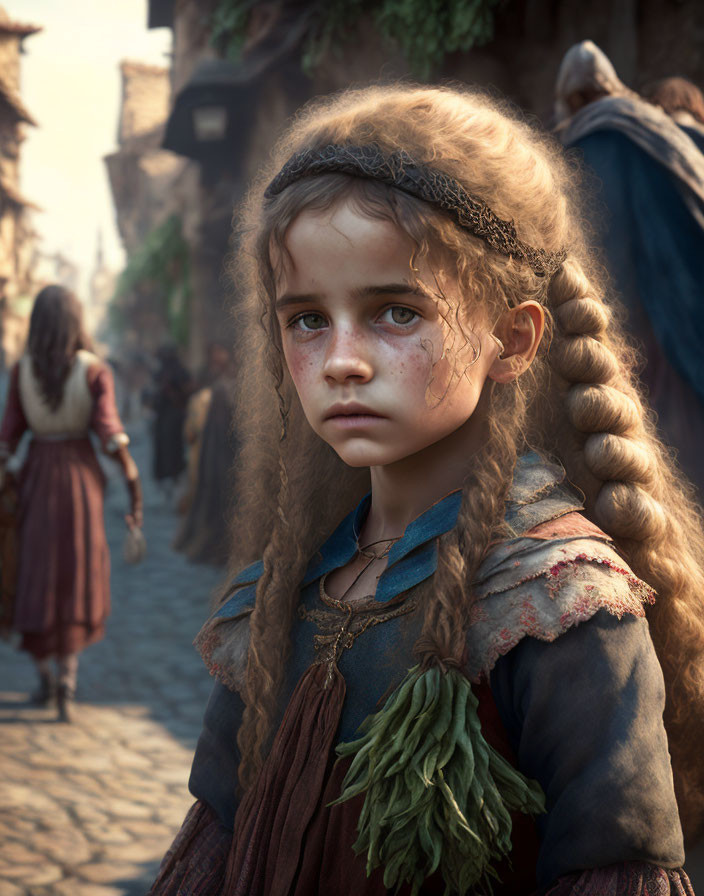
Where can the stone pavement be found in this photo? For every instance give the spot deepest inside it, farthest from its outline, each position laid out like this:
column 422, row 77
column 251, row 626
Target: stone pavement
column 89, row 808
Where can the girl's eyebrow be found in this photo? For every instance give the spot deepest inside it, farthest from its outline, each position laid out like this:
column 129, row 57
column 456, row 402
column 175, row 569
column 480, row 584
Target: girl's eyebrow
column 385, row 289
column 289, row 298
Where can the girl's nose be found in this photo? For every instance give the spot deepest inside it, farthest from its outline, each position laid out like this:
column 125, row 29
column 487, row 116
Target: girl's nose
column 347, row 358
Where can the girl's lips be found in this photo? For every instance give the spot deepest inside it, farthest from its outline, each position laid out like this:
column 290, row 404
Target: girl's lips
column 350, row 421
column 350, row 409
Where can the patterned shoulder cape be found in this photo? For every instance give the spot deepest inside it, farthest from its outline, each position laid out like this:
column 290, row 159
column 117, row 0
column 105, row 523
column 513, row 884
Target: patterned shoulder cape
column 557, row 569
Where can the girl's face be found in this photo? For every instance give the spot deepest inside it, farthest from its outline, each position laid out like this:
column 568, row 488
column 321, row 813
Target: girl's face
column 364, row 348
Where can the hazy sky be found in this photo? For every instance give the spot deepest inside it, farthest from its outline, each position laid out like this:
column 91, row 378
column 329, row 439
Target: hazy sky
column 71, row 86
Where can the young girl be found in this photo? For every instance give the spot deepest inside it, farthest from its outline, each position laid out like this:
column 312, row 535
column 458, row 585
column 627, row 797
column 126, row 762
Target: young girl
column 457, row 689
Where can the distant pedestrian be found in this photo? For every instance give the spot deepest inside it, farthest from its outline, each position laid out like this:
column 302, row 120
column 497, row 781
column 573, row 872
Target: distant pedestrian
column 683, row 102
column 204, row 535
column 218, row 363
column 647, row 202
column 169, row 399
column 196, row 415
column 60, row 391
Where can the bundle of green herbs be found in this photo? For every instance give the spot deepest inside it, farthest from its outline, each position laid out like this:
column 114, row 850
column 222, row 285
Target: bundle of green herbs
column 438, row 796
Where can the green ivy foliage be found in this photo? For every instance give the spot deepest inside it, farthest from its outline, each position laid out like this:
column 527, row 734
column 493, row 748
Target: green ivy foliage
column 428, row 30
column 161, row 267
column 425, row 30
column 228, row 26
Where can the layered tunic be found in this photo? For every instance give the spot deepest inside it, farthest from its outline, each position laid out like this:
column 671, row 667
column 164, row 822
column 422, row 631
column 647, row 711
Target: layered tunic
column 63, row 585
column 569, row 690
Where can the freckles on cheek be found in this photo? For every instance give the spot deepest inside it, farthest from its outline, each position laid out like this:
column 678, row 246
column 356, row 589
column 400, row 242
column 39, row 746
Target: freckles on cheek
column 410, row 372
column 300, row 364
column 415, row 367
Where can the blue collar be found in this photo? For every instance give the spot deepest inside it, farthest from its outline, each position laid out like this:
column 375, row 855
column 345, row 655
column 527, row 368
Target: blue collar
column 538, row 494
column 411, row 560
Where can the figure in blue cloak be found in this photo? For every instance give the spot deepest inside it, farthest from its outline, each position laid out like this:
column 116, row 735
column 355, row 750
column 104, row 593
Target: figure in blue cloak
column 646, row 177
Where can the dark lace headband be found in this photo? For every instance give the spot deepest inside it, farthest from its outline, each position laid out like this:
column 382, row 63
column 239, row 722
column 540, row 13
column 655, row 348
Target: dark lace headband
column 399, row 170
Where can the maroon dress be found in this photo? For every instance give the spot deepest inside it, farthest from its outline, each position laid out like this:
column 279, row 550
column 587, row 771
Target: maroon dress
column 63, row 584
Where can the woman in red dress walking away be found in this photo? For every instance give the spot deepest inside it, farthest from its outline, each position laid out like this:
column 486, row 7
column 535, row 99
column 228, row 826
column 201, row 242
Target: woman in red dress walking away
column 61, row 392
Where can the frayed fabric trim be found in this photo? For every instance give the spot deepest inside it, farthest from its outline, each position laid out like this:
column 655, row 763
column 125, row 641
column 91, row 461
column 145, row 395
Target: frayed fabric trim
column 224, row 647
column 623, row 879
column 546, row 604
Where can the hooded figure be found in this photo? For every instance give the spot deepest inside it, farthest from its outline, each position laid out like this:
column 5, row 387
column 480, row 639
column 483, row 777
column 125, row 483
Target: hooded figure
column 649, row 218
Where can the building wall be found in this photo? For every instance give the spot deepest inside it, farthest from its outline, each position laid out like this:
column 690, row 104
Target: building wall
column 11, row 138
column 10, row 59
column 191, row 39
column 142, row 177
column 17, row 237
column 141, row 181
column 146, row 92
column 140, row 172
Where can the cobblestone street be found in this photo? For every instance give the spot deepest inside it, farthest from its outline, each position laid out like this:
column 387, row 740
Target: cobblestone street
column 88, row 808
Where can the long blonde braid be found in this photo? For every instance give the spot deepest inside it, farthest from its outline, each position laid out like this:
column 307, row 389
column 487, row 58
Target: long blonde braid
column 635, row 495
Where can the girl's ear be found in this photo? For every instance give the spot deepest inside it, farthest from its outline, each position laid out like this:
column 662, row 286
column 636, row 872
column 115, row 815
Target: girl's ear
column 518, row 333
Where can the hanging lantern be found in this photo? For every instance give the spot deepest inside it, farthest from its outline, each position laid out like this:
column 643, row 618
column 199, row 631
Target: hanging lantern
column 211, row 113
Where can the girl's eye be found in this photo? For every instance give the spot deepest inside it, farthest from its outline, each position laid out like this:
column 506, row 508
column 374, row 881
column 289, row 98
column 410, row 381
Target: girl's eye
column 400, row 315
column 308, row 322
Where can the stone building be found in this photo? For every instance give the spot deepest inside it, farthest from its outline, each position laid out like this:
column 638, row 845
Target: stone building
column 142, row 176
column 140, row 172
column 17, row 236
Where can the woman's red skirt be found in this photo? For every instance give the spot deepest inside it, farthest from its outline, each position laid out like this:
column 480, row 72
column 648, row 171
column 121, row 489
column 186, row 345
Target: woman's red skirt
column 63, row 580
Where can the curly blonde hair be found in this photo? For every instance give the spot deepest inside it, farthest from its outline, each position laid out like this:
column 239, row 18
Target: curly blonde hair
column 579, row 402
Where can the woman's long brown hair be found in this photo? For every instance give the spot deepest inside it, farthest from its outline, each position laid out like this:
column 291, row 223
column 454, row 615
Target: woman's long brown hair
column 55, row 335
column 580, row 401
